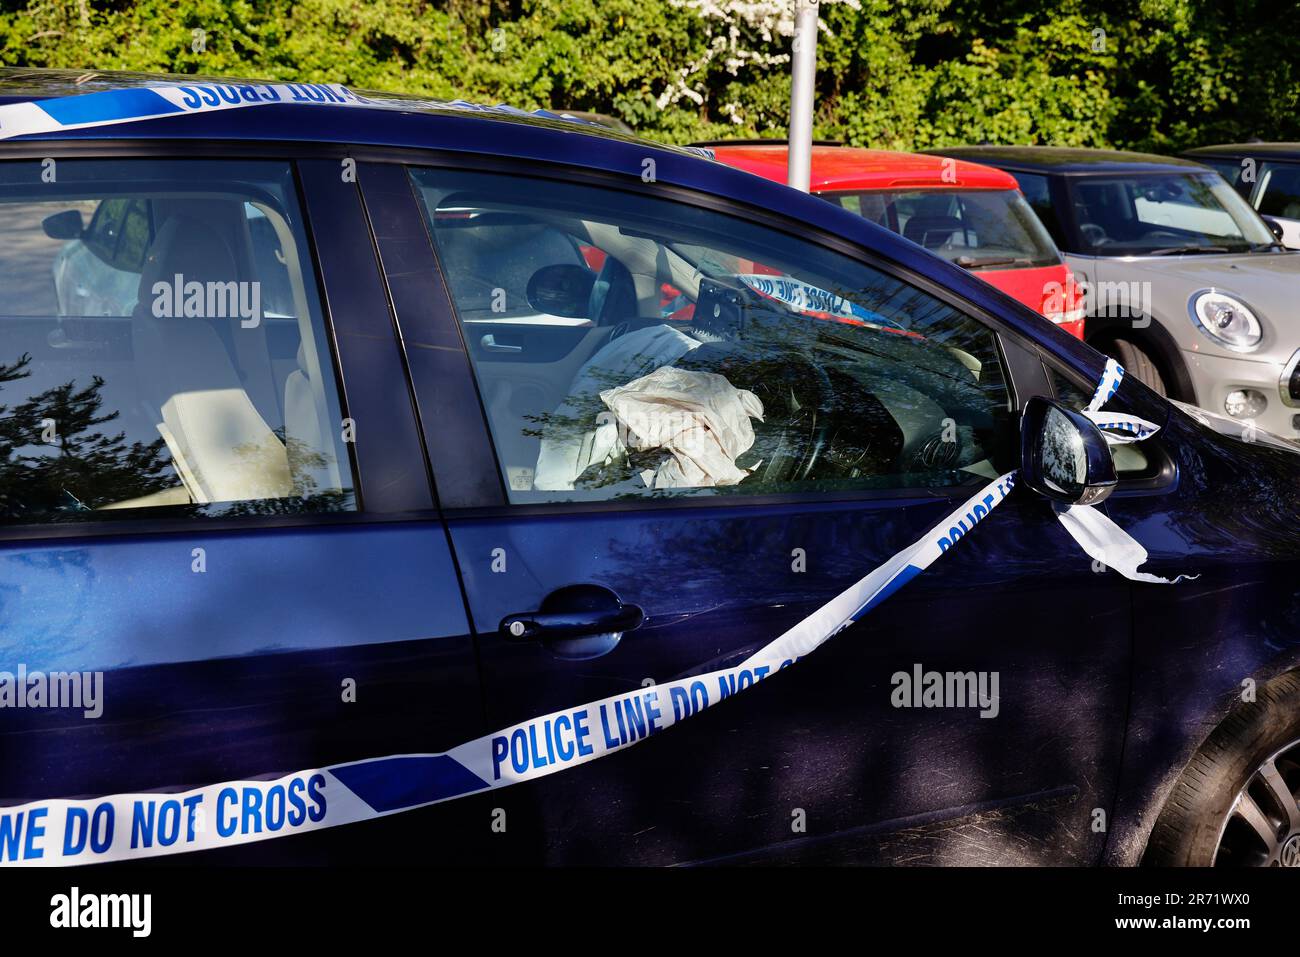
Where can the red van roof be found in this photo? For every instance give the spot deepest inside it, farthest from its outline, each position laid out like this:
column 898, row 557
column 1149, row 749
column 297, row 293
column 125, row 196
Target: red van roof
column 847, row 168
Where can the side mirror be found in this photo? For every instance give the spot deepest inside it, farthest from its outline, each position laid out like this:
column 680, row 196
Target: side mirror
column 64, row 225
column 1063, row 454
column 1274, row 227
column 562, row 290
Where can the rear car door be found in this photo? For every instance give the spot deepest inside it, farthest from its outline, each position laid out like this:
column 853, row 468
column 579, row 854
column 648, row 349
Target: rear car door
column 239, row 556
column 848, row 408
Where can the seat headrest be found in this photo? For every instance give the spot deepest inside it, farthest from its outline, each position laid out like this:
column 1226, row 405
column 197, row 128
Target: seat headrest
column 931, row 231
column 613, row 295
column 190, row 247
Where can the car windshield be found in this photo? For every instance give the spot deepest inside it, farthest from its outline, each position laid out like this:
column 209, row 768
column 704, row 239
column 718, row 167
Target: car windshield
column 976, row 229
column 1160, row 214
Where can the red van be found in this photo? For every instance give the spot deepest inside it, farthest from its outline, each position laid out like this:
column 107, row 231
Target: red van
column 972, row 215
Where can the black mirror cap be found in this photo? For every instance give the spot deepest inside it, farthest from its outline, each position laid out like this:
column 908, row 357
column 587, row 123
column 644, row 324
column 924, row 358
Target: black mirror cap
column 1274, row 226
column 65, row 225
column 1100, row 478
column 562, row 289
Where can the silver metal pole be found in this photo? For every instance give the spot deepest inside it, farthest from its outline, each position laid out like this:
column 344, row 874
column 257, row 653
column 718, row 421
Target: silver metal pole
column 799, row 156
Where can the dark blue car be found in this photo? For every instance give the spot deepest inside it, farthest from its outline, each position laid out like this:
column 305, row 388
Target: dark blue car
column 359, row 458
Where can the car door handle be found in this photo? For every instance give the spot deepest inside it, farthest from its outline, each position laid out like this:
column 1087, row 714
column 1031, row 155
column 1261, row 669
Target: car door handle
column 489, row 342
column 552, row 626
column 575, row 611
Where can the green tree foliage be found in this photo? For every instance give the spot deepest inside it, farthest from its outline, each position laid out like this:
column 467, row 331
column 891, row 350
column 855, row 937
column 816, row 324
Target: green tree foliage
column 903, row 74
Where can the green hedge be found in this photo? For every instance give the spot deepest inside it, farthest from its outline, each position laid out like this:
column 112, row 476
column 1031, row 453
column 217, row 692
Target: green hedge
column 1156, row 74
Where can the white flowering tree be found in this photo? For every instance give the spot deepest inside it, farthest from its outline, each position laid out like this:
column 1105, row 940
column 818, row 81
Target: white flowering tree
column 747, row 39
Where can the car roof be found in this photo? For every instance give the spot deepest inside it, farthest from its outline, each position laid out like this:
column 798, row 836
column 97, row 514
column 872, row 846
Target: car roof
column 1068, row 160
column 1282, row 150
column 850, row 168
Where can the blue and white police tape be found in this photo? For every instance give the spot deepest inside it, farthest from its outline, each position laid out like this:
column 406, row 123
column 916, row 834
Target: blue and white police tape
column 803, row 297
column 111, row 107
column 124, row 826
column 1103, row 540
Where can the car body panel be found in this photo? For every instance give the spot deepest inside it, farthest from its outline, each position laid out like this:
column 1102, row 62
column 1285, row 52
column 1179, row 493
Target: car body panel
column 1201, row 646
column 1037, row 284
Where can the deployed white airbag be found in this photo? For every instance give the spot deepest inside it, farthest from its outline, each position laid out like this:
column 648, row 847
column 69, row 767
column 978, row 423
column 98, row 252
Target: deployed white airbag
column 577, row 435
column 699, row 418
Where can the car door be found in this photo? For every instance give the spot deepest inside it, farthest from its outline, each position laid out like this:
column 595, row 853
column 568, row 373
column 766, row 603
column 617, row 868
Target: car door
column 241, row 557
column 884, row 404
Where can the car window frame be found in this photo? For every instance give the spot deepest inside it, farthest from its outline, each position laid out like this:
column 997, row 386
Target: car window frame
column 434, row 324
column 387, row 464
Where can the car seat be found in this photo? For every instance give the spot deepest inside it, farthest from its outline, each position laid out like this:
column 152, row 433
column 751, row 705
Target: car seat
column 931, row 231
column 221, row 445
column 613, row 297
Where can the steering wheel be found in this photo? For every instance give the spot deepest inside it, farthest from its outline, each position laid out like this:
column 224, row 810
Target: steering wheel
column 801, row 393
column 1093, row 233
column 1159, row 235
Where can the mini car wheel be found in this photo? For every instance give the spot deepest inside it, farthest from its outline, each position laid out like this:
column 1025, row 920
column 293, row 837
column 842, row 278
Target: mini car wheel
column 1237, row 803
column 1137, row 362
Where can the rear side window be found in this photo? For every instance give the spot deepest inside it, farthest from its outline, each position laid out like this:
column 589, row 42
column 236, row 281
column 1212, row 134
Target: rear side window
column 631, row 347
column 1279, row 190
column 161, row 345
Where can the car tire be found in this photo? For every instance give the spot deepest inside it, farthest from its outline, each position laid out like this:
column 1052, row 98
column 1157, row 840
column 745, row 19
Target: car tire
column 1137, row 363
column 1237, row 803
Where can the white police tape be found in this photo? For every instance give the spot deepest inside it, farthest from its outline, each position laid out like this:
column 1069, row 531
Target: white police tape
column 125, row 826
column 1120, row 429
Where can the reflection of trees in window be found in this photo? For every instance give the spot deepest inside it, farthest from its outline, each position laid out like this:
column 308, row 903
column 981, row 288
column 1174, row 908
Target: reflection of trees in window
column 84, row 467
column 305, row 464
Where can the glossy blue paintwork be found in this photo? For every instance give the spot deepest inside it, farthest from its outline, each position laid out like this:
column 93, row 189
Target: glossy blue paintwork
column 101, row 604
column 1107, row 687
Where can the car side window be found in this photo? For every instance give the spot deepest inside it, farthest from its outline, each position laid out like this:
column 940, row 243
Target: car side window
column 162, row 348
column 119, row 233
column 1279, row 190
column 627, row 346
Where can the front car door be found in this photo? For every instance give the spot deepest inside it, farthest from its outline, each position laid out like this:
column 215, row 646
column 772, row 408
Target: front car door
column 839, row 410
